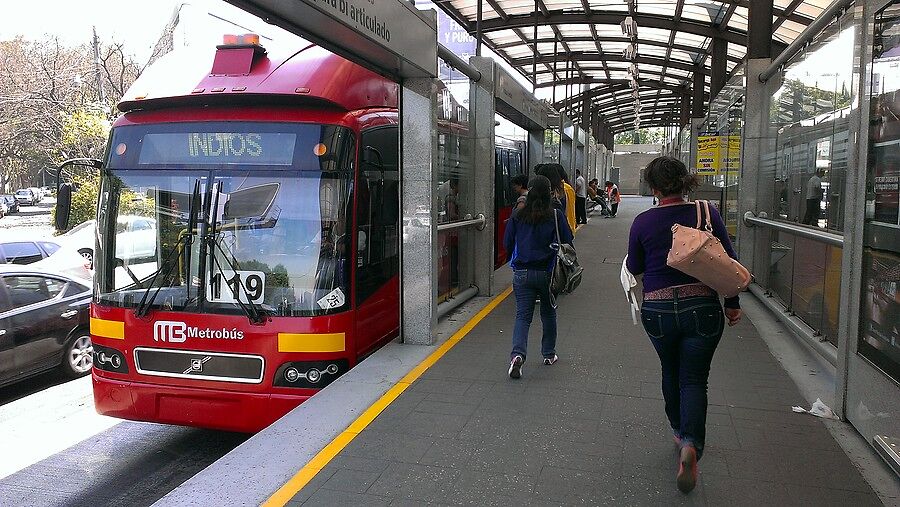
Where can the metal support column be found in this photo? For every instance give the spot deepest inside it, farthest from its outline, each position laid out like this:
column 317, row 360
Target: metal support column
column 482, row 107
column 718, row 72
column 418, row 253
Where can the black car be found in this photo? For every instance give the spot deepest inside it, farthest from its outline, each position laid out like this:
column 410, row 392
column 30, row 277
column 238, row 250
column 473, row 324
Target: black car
column 44, row 324
column 26, row 252
column 12, row 205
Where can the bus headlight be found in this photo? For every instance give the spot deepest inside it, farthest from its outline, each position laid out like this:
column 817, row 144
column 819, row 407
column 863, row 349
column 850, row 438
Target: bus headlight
column 310, row 374
column 109, row 359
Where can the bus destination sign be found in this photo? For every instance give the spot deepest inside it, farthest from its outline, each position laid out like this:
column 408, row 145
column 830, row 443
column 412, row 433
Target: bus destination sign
column 239, row 148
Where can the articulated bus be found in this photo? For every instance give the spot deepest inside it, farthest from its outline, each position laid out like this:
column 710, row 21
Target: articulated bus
column 273, row 184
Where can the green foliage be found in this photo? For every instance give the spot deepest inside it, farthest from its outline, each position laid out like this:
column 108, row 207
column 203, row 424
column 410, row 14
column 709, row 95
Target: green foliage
column 653, row 135
column 84, row 133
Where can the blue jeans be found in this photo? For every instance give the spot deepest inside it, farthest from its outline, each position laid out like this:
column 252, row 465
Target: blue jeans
column 685, row 332
column 530, row 284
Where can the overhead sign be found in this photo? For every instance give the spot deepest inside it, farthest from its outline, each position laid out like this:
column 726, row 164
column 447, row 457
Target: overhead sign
column 389, row 36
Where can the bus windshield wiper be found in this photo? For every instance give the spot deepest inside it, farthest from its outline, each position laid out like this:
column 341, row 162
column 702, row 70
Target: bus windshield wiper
column 252, row 310
column 168, row 261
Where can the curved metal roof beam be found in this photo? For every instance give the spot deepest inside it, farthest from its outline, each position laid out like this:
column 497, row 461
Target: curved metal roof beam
column 738, row 37
column 606, row 57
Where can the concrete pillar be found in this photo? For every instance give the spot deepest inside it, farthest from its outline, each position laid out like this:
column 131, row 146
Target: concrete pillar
column 759, row 30
column 418, row 252
column 481, row 124
column 535, row 149
column 757, row 177
column 718, row 72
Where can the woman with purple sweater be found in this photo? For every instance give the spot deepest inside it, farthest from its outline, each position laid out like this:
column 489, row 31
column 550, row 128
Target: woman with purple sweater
column 683, row 317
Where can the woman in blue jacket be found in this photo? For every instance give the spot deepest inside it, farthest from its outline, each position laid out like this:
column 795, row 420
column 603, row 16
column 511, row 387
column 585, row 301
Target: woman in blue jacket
column 530, row 235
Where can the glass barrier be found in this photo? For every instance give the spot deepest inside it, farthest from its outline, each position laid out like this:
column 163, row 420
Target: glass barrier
column 805, row 276
column 879, row 337
column 809, row 120
column 454, row 195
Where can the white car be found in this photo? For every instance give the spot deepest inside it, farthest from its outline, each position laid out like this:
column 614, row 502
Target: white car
column 135, row 238
column 67, row 261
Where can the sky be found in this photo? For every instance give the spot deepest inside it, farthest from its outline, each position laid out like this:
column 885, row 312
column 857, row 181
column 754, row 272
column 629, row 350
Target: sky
column 137, row 24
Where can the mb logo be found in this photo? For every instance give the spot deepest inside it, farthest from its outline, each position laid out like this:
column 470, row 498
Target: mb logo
column 169, row 331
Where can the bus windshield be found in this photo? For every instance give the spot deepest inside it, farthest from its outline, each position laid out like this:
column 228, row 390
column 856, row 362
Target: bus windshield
column 218, row 216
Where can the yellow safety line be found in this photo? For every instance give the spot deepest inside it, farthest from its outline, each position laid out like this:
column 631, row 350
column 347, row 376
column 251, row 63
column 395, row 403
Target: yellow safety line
column 306, row 474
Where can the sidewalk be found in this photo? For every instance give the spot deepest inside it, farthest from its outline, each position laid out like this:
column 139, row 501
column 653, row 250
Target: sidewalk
column 589, row 430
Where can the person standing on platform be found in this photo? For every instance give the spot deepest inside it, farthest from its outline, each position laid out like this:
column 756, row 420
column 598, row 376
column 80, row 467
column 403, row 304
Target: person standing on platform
column 682, row 317
column 613, row 197
column 570, row 197
column 580, row 198
column 519, row 184
column 551, row 171
column 530, row 234
column 814, row 193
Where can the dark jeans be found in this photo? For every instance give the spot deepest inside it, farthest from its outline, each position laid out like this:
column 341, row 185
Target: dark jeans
column 580, row 210
column 614, row 208
column 530, row 284
column 812, row 212
column 685, row 333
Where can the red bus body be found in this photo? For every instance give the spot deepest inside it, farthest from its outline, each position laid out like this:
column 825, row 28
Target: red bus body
column 309, row 86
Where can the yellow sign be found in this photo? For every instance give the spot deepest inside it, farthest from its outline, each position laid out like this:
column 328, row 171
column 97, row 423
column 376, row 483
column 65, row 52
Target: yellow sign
column 733, row 157
column 708, row 157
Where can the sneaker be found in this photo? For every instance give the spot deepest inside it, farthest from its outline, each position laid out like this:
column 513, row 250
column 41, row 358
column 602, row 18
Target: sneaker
column 551, row 360
column 687, row 469
column 515, row 366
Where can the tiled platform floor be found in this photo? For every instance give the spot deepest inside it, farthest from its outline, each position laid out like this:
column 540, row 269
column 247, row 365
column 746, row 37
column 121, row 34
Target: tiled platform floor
column 589, row 430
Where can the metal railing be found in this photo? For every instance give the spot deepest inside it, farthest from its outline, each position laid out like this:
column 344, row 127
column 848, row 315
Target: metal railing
column 829, row 238
column 479, row 222
column 458, row 63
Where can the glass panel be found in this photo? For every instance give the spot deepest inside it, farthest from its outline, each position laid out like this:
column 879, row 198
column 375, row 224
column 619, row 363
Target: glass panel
column 879, row 339
column 455, row 180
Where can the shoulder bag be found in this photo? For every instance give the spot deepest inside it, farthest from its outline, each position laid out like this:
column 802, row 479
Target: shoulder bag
column 566, row 274
column 699, row 253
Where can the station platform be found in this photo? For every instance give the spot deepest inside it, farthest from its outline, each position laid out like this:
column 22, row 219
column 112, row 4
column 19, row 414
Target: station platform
column 589, row 430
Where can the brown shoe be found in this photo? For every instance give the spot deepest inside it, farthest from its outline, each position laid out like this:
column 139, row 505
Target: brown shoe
column 687, row 469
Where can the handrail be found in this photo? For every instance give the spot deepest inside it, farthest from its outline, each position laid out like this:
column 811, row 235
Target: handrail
column 458, row 63
column 828, row 238
column 478, row 221
column 805, row 36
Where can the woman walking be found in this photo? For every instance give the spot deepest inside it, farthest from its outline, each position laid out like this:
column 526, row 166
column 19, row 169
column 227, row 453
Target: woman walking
column 531, row 234
column 683, row 317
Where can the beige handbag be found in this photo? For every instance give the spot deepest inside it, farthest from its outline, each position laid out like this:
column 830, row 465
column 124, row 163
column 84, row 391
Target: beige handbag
column 698, row 253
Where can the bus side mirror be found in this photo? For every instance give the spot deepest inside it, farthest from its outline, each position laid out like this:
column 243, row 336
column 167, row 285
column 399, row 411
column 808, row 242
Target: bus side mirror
column 63, row 207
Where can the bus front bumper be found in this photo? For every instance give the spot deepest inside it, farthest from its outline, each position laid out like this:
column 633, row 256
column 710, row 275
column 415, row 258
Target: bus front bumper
column 186, row 406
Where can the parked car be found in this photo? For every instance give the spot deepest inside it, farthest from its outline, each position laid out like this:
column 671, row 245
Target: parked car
column 68, row 261
column 38, row 193
column 44, row 324
column 26, row 251
column 11, row 203
column 26, row 197
column 4, row 209
column 135, row 238
column 47, row 191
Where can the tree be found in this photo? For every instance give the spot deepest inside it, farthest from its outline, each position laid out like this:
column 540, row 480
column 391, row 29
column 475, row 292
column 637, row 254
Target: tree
column 654, row 135
column 50, row 107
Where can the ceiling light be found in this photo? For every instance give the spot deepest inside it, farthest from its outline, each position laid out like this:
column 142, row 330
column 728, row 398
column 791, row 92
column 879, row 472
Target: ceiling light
column 630, row 51
column 629, row 27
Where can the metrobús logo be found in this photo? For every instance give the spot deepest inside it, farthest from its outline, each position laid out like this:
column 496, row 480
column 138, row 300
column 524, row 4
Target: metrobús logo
column 177, row 332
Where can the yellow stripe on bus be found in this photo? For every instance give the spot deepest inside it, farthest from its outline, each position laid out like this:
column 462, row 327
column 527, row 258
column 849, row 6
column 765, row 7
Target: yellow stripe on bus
column 311, row 342
column 108, row 328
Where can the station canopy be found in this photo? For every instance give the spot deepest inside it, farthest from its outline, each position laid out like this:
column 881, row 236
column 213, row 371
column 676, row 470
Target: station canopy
column 582, row 44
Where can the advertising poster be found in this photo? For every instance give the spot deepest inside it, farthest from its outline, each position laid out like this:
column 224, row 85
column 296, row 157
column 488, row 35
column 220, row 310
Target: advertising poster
column 708, row 156
column 880, row 327
column 732, row 162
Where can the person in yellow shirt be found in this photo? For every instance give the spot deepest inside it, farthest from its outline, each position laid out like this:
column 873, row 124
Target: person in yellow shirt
column 570, row 198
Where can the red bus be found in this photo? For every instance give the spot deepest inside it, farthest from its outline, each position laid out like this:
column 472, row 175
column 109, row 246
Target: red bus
column 270, row 265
